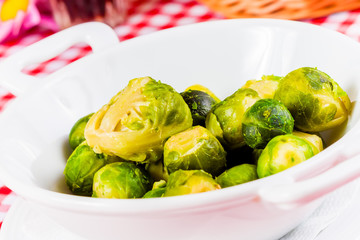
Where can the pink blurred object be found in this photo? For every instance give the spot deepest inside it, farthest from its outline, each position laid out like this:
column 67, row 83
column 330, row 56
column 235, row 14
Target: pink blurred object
column 71, row 12
column 14, row 20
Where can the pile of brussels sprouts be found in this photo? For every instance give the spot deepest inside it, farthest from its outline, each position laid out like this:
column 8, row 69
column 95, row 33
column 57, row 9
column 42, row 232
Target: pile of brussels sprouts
column 151, row 141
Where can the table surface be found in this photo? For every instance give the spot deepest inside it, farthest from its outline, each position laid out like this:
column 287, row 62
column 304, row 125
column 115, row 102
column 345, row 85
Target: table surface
column 143, row 18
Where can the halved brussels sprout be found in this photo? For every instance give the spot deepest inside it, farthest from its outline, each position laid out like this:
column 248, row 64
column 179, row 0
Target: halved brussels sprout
column 80, row 168
column 121, row 180
column 225, row 119
column 314, row 99
column 264, row 120
column 313, row 139
column 76, row 136
column 158, row 190
column 265, row 87
column 200, row 104
column 237, row 175
column 283, row 152
column 195, row 148
column 135, row 123
column 184, row 182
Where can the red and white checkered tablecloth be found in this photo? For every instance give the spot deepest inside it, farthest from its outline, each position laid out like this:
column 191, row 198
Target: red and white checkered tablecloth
column 144, row 17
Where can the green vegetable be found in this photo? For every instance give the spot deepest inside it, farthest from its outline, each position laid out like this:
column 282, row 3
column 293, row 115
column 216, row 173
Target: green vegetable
column 199, row 103
column 237, row 175
column 81, row 167
column 76, row 135
column 121, row 180
column 149, row 132
column 264, row 120
column 283, row 152
column 137, row 121
column 199, row 87
column 155, row 193
column 225, row 119
column 158, row 190
column 195, row 148
column 265, row 87
column 314, row 99
column 184, row 182
column 313, row 139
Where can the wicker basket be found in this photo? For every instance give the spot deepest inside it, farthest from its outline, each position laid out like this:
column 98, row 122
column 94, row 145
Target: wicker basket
column 285, row 9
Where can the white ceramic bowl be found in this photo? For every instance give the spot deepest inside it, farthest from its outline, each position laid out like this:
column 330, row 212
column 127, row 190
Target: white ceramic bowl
column 221, row 55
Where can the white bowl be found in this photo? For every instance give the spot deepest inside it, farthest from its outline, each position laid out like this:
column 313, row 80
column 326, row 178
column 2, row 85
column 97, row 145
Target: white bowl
column 221, row 55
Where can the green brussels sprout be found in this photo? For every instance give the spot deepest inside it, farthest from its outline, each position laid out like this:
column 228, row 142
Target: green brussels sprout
column 136, row 121
column 155, row 193
column 158, row 190
column 194, row 148
column 76, row 135
column 313, row 139
column 265, row 87
column 184, row 182
column 224, row 120
column 314, row 99
column 264, row 120
column 81, row 167
column 283, row 152
column 200, row 104
column 237, row 175
column 199, row 87
column 121, row 180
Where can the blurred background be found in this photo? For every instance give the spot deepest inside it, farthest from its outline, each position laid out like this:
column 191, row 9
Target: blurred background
column 22, row 18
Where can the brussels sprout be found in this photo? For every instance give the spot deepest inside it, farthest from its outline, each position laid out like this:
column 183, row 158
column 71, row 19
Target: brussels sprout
column 315, row 100
column 135, row 123
column 313, row 139
column 195, row 148
column 158, row 190
column 225, row 119
column 264, row 120
column 155, row 193
column 199, row 87
column 184, row 182
column 200, row 104
column 121, row 180
column 76, row 135
column 81, row 167
column 265, row 87
column 283, row 152
column 237, row 175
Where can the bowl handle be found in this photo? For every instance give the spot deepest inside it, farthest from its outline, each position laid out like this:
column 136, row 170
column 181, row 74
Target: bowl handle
column 98, row 35
column 292, row 194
